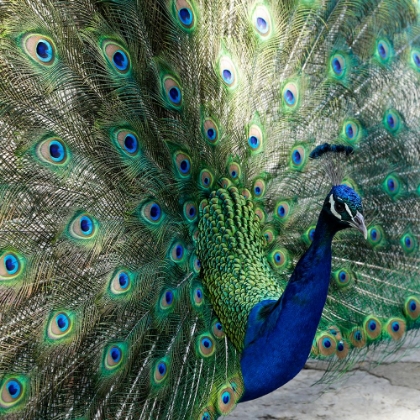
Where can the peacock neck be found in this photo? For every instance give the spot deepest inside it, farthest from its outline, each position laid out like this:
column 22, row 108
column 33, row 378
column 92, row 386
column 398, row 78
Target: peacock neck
column 324, row 233
column 280, row 333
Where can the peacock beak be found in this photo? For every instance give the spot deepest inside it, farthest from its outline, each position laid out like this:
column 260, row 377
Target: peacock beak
column 359, row 223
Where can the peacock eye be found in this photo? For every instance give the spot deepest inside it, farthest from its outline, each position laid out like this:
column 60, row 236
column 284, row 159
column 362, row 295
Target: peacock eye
column 53, row 151
column 117, row 57
column 339, row 207
column 40, row 48
column 128, row 142
column 172, row 91
column 83, row 227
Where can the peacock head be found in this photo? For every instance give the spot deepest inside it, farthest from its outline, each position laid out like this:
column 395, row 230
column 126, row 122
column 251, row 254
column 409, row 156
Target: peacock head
column 345, row 205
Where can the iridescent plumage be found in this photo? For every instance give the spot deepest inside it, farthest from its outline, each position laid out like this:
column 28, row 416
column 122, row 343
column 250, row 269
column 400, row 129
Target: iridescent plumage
column 157, row 194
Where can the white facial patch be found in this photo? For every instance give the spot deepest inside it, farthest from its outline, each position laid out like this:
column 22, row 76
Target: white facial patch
column 348, row 210
column 332, row 204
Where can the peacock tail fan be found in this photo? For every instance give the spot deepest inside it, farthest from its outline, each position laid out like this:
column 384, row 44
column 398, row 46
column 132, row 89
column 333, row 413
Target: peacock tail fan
column 125, row 124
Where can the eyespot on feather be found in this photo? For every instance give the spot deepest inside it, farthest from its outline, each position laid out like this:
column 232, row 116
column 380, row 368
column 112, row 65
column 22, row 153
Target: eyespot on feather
column 196, row 264
column 326, row 344
column 160, row 371
column 298, row 158
column 202, row 207
column 342, row 349
column 128, row 142
column 167, row 299
column 114, row 356
column 178, row 252
column 279, row 259
column 246, row 194
column 383, row 51
column 40, row 48
column 314, row 349
column 236, row 383
column 197, row 296
column 255, row 139
column 376, row 236
column 12, row 265
column 83, row 227
column 228, row 72
column 395, row 327
column 343, row 278
column 335, row 331
column 120, row 283
column 152, row 213
column 269, row 235
column 226, row 400
column 211, row 131
column 117, row 57
column 206, row 179
column 392, row 121
column 186, row 15
column 60, row 325
column 338, row 66
column 412, row 308
column 225, row 183
column 258, row 189
column 234, row 171
column 260, row 214
column 372, row 327
column 308, row 235
column 205, row 345
column 290, row 95
column 53, row 151
column 13, row 392
column 408, row 243
column 172, row 91
column 392, row 186
column 415, row 58
column 190, row 211
column 357, row 337
column 206, row 414
column 183, row 164
column 217, row 329
column 282, row 210
column 261, row 21
column 352, row 131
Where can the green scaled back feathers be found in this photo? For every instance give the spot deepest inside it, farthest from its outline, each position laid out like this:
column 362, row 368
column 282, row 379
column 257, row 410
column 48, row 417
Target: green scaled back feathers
column 118, row 118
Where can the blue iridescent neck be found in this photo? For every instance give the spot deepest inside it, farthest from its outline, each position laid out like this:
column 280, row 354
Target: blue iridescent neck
column 280, row 333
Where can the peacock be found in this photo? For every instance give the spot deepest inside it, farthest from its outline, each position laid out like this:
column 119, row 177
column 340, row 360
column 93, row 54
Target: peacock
column 198, row 195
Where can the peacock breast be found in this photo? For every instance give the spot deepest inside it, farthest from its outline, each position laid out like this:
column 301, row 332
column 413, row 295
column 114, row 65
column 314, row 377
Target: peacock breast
column 235, row 269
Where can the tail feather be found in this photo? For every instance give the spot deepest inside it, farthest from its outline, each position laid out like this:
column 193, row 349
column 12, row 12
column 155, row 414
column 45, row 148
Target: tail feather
column 118, row 118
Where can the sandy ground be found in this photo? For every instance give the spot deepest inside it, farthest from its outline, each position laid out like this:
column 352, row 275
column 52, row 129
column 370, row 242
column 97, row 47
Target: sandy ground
column 390, row 391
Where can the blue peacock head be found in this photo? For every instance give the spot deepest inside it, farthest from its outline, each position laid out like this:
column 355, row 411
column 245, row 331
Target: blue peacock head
column 345, row 205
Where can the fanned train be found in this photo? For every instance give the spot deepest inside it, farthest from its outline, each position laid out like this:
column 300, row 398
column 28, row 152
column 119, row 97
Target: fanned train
column 166, row 240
